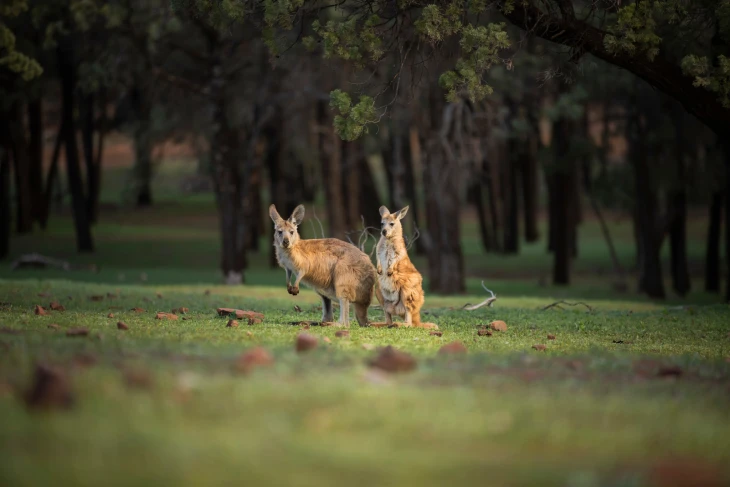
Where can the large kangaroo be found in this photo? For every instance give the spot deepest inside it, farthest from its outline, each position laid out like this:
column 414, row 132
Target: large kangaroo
column 333, row 268
column 400, row 282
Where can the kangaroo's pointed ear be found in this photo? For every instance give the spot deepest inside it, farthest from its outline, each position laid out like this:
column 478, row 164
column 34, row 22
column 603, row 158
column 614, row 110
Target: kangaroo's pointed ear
column 297, row 215
column 384, row 211
column 401, row 213
column 275, row 217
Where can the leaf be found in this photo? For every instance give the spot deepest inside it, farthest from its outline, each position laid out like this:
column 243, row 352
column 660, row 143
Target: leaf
column 550, row 336
column 393, row 360
column 137, row 310
column 669, row 371
column 77, row 332
column 456, row 347
column 40, row 311
column 251, row 316
column 159, row 295
column 326, row 340
column 55, row 306
column 122, row 325
column 306, row 342
column 297, row 309
column 498, row 325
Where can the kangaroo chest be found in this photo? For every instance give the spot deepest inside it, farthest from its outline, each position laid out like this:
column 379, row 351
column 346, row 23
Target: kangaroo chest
column 387, row 256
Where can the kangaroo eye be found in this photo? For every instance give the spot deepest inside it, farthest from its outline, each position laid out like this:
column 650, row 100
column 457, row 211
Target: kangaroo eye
column 392, row 223
column 280, row 232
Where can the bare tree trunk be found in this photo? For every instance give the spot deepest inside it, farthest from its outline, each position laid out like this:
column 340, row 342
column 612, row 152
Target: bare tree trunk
column 67, row 71
column 5, row 214
column 510, row 180
column 726, row 149
column 678, row 210
column 330, row 149
column 561, row 184
column 93, row 173
column 712, row 258
column 51, row 179
column 477, row 197
column 21, row 162
column 530, row 192
column 35, row 127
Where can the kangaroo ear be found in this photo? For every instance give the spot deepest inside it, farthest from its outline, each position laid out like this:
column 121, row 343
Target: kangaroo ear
column 275, row 217
column 297, row 215
column 401, row 213
column 384, row 211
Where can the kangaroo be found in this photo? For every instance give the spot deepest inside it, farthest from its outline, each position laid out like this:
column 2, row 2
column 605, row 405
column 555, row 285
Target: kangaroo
column 333, row 268
column 401, row 285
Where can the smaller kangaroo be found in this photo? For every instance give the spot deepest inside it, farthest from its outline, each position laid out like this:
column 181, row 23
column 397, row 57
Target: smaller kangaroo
column 333, row 268
column 400, row 282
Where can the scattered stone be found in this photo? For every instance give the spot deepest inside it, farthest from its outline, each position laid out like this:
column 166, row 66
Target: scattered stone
column 122, row 325
column 77, row 332
column 256, row 357
column 392, row 360
column 50, row 390
column 551, row 336
column 306, row 342
column 55, row 306
column 232, row 324
column 342, row 334
column 498, row 325
column 539, row 347
column 165, row 316
column 252, row 316
column 452, row 348
column 40, row 311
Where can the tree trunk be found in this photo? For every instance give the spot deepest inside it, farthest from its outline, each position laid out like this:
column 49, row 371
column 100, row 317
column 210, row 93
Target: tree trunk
column 21, row 162
column 677, row 208
column 530, row 191
column 510, row 183
column 412, row 158
column 51, row 180
column 477, row 197
column 331, row 153
column 5, row 216
column 726, row 150
column 350, row 176
column 86, row 109
column 67, row 72
column 561, row 185
column 712, row 259
column 143, row 145
column 35, row 126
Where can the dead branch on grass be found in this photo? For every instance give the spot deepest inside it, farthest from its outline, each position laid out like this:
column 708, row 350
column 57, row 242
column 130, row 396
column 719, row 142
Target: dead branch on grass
column 557, row 304
column 487, row 302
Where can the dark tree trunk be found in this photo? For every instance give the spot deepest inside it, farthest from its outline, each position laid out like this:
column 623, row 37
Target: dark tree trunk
column 21, row 167
column 67, row 72
column 5, row 216
column 562, row 186
column 253, row 207
column 51, row 180
column 93, row 176
column 228, row 179
column 350, row 183
column 530, row 192
column 35, row 126
column 143, row 145
column 369, row 200
column 331, row 153
column 412, row 156
column 650, row 270
column 510, row 183
column 677, row 208
column 477, row 197
column 712, row 259
column 726, row 150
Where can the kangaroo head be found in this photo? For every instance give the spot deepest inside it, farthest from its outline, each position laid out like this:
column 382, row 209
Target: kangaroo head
column 390, row 222
column 286, row 233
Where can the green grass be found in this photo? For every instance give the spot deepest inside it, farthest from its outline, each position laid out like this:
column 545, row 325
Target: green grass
column 587, row 411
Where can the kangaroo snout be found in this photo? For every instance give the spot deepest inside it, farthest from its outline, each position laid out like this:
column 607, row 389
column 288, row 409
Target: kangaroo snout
column 285, row 243
column 384, row 232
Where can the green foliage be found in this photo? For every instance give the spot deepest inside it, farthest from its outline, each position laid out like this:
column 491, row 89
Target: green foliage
column 352, row 121
column 635, row 31
column 18, row 64
column 714, row 78
column 436, row 25
column 480, row 48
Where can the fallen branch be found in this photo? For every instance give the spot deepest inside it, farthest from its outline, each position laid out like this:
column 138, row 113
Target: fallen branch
column 557, row 304
column 487, row 302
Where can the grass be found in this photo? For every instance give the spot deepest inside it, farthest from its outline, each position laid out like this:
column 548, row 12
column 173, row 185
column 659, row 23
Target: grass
column 586, row 408
column 164, row 404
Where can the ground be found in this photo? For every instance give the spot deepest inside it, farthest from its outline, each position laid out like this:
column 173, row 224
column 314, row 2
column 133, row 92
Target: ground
column 629, row 392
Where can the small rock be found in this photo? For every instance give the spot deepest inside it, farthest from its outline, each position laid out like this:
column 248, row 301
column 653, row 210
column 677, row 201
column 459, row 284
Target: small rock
column 306, row 342
column 550, row 336
column 122, row 325
column 539, row 347
column 50, row 390
column 55, row 306
column 165, row 316
column 342, row 334
column 498, row 325
column 392, row 360
column 256, row 357
column 437, row 333
column 453, row 347
column 232, row 324
column 40, row 311
column 77, row 332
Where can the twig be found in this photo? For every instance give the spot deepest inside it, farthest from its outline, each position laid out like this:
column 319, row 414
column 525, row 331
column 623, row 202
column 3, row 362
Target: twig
column 413, row 238
column 557, row 304
column 321, row 228
column 487, row 302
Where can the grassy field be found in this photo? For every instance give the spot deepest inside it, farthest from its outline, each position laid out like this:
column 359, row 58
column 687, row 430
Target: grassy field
column 629, row 392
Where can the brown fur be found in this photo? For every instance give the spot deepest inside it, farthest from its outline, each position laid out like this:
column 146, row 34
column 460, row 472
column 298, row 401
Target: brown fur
column 333, row 268
column 400, row 283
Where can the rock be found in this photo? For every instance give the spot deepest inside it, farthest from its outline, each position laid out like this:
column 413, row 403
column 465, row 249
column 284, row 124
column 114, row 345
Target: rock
column 122, row 325
column 306, row 342
column 256, row 357
column 498, row 325
column 165, row 316
column 392, row 360
column 453, row 348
